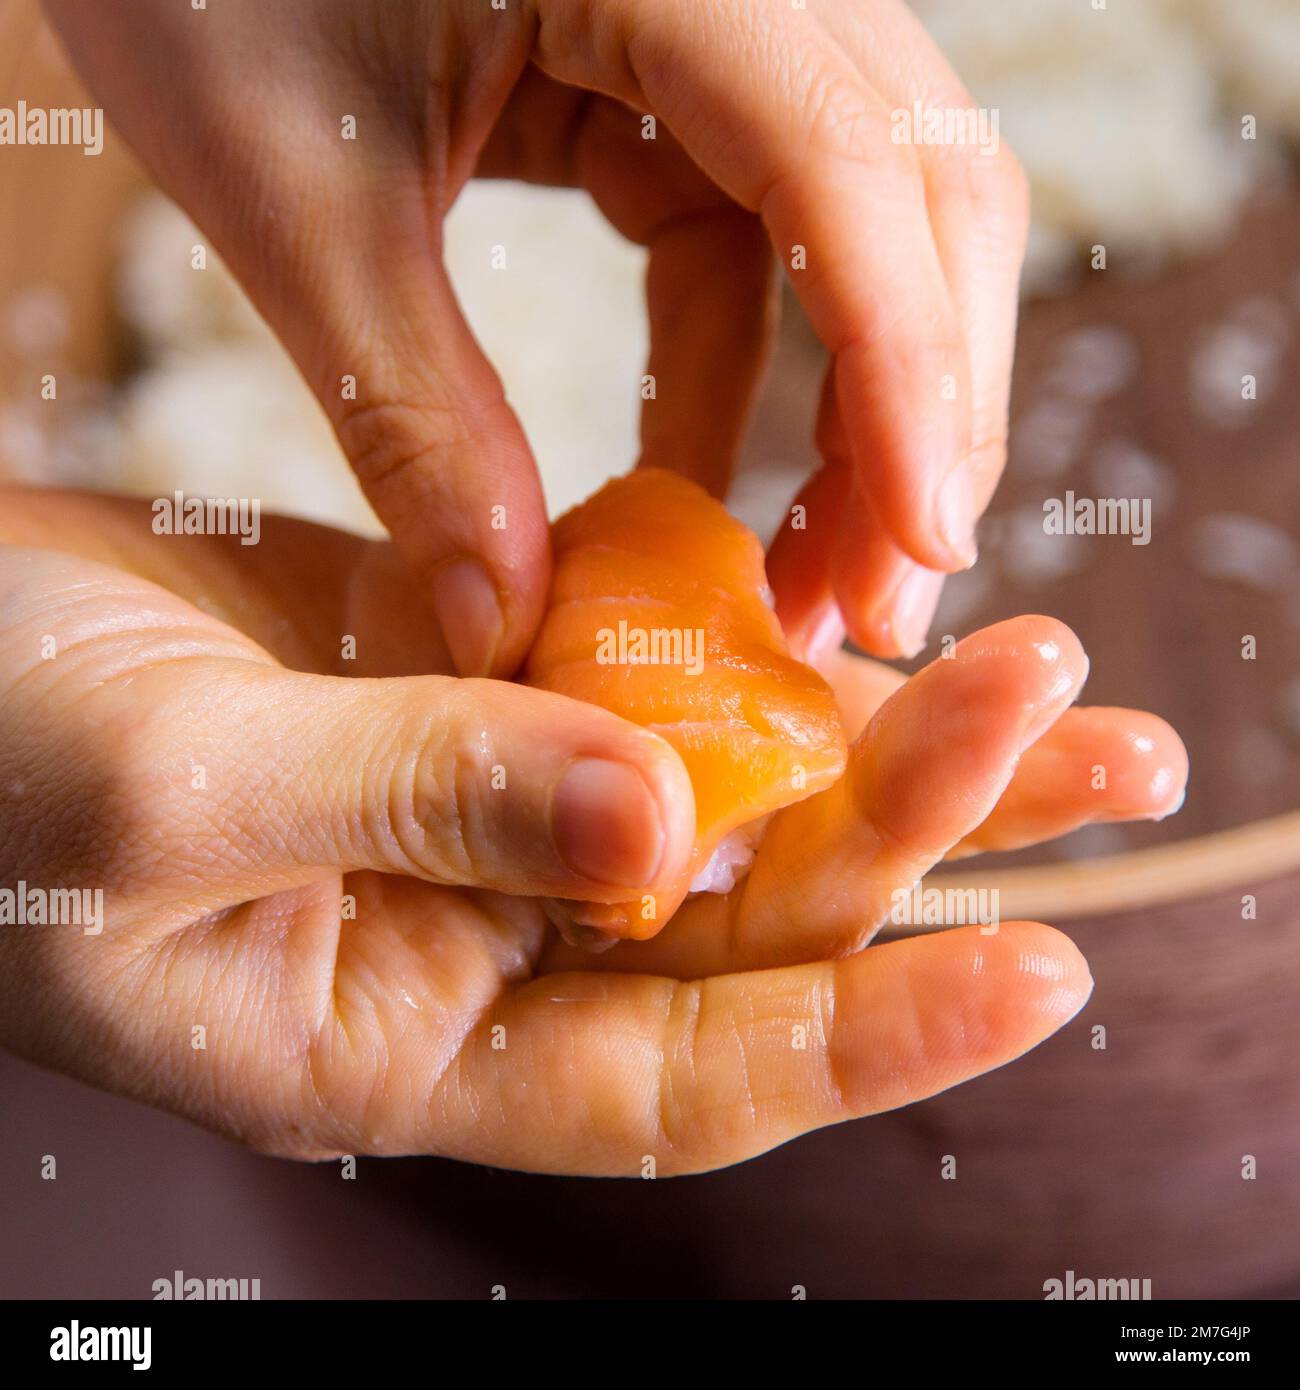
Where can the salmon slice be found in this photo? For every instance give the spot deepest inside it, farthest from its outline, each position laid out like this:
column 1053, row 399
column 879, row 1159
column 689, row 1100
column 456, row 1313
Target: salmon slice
column 660, row 612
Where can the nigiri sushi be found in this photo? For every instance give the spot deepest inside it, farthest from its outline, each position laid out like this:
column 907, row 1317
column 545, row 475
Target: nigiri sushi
column 660, row 612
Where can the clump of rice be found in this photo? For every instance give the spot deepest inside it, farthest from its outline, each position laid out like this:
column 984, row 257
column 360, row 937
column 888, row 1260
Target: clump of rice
column 1128, row 118
column 219, row 409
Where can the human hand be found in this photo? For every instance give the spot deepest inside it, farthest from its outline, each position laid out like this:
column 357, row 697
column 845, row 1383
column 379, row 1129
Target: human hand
column 983, row 750
column 326, row 901
column 774, row 130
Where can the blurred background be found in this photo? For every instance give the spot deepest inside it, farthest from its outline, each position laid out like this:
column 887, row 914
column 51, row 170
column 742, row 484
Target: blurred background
column 1165, row 131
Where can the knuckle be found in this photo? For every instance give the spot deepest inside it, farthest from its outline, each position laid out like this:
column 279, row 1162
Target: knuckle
column 842, row 124
column 1012, row 185
column 429, row 806
column 993, row 188
column 388, row 441
column 988, row 449
column 689, row 1135
column 294, row 1141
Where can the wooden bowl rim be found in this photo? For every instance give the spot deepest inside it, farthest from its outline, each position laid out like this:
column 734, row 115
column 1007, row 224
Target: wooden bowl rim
column 1242, row 857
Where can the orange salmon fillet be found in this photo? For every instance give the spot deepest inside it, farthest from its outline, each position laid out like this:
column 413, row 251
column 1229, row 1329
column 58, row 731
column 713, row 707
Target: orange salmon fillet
column 660, row 612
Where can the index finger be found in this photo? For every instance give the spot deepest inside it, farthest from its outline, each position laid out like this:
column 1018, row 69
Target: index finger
column 787, row 124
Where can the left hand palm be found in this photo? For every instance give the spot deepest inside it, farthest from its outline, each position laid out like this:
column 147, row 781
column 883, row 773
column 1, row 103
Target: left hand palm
column 450, row 1019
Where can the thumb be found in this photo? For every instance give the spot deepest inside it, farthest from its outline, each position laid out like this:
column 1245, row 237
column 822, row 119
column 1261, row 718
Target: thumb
column 465, row 782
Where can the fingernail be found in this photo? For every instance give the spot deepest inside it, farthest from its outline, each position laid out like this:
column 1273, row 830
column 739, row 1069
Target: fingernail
column 912, row 609
column 606, row 824
column 824, row 636
column 566, row 917
column 1172, row 809
column 469, row 612
column 955, row 515
column 1045, row 712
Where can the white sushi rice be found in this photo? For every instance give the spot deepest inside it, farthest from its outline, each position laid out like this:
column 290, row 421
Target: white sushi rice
column 219, row 408
column 730, row 862
column 1128, row 117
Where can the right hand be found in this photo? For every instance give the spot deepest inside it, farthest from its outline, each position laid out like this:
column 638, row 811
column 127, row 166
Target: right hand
column 775, row 132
